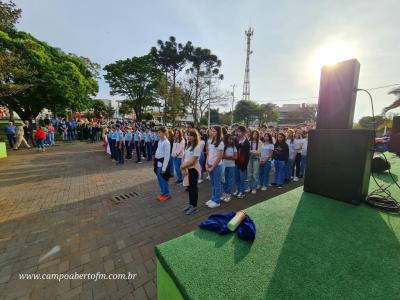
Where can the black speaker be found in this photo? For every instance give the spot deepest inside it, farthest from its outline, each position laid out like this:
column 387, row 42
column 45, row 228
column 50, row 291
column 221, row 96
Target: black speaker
column 337, row 95
column 396, row 125
column 339, row 163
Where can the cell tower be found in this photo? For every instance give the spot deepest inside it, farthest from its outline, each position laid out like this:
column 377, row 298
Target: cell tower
column 246, row 83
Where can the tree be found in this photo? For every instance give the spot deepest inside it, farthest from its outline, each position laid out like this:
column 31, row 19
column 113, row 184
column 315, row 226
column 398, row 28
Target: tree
column 99, row 108
column 246, row 110
column 126, row 108
column 9, row 16
column 396, row 103
column 368, row 122
column 204, row 67
column 268, row 113
column 135, row 78
column 109, row 112
column 175, row 99
column 51, row 78
column 171, row 57
column 303, row 114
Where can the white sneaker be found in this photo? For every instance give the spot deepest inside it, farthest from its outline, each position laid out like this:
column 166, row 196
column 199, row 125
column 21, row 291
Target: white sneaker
column 227, row 198
column 235, row 193
column 200, row 181
column 213, row 204
column 208, row 202
column 208, row 177
column 295, row 179
column 247, row 190
column 264, row 188
column 240, row 196
column 258, row 187
column 254, row 192
column 223, row 195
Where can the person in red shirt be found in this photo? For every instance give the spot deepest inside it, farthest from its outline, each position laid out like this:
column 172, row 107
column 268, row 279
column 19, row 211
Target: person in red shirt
column 40, row 137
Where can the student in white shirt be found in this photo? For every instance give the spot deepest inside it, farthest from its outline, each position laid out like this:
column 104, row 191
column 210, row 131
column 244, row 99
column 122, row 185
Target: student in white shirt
column 298, row 144
column 161, row 161
column 214, row 165
column 229, row 158
column 191, row 168
column 178, row 149
column 267, row 149
column 292, row 155
column 304, row 143
column 254, row 162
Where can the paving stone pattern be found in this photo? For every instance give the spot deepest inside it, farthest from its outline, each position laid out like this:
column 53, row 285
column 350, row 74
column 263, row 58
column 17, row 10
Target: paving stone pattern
column 63, row 199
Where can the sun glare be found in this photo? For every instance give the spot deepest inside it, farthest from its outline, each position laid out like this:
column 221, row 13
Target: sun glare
column 332, row 53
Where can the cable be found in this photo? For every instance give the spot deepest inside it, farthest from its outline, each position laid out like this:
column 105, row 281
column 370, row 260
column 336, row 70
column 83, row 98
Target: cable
column 381, row 197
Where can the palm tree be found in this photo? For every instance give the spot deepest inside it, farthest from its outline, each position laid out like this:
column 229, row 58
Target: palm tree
column 396, row 103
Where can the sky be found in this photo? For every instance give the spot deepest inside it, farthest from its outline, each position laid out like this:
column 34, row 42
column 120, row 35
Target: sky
column 291, row 40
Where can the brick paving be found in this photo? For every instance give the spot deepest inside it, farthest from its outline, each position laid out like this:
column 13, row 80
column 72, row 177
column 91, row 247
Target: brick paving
column 62, row 201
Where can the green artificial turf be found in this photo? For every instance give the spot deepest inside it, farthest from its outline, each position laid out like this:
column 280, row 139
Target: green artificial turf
column 307, row 247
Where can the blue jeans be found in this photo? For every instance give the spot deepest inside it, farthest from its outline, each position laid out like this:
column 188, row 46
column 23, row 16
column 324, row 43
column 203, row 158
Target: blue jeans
column 303, row 164
column 253, row 173
column 264, row 173
column 229, row 175
column 40, row 143
column 289, row 169
column 202, row 160
column 240, row 176
column 113, row 150
column 215, row 177
column 177, row 165
column 280, row 168
column 162, row 183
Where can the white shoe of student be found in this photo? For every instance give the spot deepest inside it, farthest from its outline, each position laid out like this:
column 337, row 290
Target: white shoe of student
column 235, row 193
column 264, row 188
column 258, row 187
column 247, row 190
column 200, row 181
column 213, row 204
column 227, row 198
column 208, row 202
column 295, row 179
column 254, row 192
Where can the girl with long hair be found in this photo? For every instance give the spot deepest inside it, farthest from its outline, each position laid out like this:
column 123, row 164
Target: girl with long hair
column 254, row 162
column 280, row 156
column 191, row 168
column 178, row 148
column 267, row 149
column 214, row 165
column 229, row 158
column 292, row 155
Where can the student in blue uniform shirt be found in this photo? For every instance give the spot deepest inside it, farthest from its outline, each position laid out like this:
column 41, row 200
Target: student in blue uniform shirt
column 113, row 138
column 143, row 143
column 137, row 137
column 128, row 143
column 149, row 150
column 120, row 145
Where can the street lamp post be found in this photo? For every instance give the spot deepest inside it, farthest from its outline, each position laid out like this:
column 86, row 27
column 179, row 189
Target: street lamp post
column 233, row 102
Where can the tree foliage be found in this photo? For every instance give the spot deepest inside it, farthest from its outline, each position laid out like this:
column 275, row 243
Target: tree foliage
column 368, row 122
column 9, row 16
column 136, row 79
column 396, row 103
column 43, row 77
column 303, row 114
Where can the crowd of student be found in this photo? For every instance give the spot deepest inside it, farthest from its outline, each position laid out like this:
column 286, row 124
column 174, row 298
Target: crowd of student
column 235, row 156
column 41, row 134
